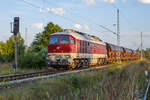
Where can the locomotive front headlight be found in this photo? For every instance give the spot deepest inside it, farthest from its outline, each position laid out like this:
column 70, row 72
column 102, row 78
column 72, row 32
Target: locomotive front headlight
column 67, row 56
column 51, row 57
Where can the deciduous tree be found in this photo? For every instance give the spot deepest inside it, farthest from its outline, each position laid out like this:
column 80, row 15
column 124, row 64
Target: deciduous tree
column 42, row 39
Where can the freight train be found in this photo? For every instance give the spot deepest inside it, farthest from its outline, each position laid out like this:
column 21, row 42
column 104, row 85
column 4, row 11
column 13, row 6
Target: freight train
column 73, row 49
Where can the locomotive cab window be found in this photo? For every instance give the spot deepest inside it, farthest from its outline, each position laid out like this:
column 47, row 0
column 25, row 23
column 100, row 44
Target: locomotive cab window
column 96, row 45
column 72, row 41
column 53, row 40
column 88, row 44
column 64, row 40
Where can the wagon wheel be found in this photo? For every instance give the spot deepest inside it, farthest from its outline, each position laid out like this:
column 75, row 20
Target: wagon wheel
column 74, row 65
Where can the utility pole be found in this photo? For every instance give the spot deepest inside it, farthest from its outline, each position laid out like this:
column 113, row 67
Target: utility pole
column 118, row 35
column 141, row 45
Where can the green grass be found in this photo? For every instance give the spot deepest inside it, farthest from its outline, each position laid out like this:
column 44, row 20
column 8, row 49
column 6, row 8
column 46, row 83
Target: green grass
column 117, row 83
column 6, row 69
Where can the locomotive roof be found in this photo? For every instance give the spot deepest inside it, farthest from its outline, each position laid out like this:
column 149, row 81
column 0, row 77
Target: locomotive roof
column 80, row 36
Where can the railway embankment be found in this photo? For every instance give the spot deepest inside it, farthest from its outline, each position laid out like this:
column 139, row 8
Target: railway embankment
column 119, row 82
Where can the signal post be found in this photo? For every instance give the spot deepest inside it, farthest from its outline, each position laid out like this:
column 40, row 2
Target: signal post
column 15, row 31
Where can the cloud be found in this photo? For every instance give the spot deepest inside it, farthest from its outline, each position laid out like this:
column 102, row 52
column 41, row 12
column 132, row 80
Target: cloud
column 89, row 2
column 37, row 25
column 18, row 12
column 84, row 27
column 56, row 11
column 144, row 1
column 109, row 1
column 78, row 26
column 123, row 1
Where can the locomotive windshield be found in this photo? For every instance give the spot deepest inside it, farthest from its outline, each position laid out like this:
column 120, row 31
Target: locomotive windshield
column 64, row 40
column 53, row 40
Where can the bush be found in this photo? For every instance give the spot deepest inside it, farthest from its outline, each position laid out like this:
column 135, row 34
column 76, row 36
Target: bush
column 1, row 59
column 33, row 59
column 6, row 58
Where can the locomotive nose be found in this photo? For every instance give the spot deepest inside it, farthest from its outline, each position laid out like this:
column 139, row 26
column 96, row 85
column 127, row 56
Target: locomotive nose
column 59, row 59
column 58, row 47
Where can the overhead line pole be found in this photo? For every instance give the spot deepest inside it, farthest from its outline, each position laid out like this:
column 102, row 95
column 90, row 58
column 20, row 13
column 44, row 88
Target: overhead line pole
column 141, row 45
column 118, row 34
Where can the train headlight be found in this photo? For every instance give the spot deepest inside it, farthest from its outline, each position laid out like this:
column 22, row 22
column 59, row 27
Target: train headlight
column 50, row 57
column 67, row 56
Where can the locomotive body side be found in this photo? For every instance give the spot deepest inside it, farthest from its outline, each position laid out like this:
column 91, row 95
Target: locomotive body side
column 70, row 49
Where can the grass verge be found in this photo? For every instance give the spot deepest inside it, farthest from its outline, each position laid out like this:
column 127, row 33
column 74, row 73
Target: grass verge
column 120, row 82
column 7, row 69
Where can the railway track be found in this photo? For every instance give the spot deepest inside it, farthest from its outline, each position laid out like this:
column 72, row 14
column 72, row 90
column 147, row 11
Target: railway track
column 21, row 78
column 7, row 78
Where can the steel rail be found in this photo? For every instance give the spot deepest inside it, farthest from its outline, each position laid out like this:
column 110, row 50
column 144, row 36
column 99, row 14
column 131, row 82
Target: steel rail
column 26, row 75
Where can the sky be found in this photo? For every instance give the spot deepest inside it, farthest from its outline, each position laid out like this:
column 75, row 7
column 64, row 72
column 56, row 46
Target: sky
column 81, row 15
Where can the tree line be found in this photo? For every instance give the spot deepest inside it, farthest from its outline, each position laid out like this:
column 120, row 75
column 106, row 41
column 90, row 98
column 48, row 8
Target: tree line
column 34, row 55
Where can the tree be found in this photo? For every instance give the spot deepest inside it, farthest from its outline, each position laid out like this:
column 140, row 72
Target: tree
column 33, row 59
column 21, row 45
column 147, row 53
column 7, row 48
column 3, row 48
column 42, row 39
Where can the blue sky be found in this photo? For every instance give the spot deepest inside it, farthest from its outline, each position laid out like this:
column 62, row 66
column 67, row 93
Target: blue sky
column 81, row 15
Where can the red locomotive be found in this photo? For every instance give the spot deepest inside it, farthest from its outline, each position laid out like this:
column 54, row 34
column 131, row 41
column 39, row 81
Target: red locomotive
column 73, row 49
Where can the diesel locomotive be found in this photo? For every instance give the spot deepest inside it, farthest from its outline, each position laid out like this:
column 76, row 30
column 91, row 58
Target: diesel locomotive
column 73, row 49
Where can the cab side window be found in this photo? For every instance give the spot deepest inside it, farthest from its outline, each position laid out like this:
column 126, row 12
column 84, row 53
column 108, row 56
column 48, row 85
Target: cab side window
column 72, row 41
